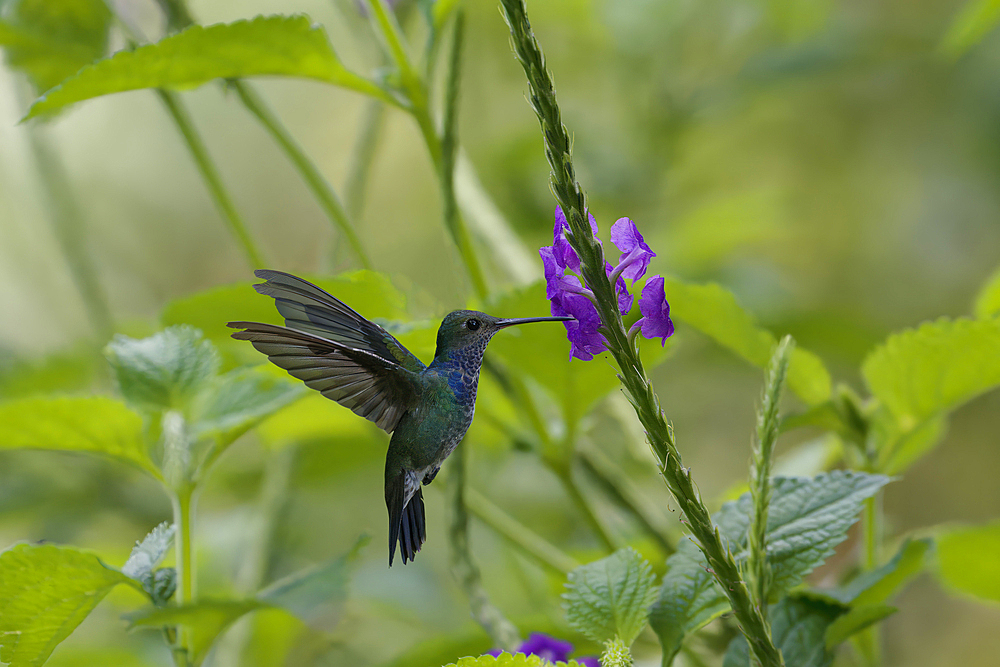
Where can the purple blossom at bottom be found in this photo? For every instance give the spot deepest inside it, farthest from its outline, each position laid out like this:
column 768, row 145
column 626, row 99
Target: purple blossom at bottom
column 549, row 648
column 655, row 322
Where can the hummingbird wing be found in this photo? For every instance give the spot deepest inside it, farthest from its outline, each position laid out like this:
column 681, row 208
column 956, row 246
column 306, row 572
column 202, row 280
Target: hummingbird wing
column 372, row 386
column 308, row 308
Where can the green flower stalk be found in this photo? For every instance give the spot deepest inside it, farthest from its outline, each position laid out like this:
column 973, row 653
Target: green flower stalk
column 758, row 568
column 638, row 389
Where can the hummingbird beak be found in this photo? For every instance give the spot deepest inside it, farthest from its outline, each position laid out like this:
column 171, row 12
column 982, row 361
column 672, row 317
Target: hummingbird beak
column 527, row 320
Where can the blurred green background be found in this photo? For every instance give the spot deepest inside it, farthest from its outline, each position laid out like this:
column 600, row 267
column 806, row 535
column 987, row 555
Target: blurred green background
column 821, row 159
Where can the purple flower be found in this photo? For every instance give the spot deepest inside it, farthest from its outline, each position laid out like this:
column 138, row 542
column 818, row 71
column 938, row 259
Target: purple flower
column 635, row 253
column 655, row 322
column 549, row 648
column 585, row 340
column 621, row 291
column 564, row 254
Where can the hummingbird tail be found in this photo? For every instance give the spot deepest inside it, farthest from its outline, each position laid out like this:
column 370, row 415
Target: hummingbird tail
column 406, row 523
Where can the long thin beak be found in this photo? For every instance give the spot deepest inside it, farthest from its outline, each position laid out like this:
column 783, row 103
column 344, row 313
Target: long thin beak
column 527, row 320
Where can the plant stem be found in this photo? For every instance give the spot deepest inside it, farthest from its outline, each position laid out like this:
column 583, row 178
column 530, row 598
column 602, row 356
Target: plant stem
column 522, row 537
column 758, row 567
column 501, row 631
column 871, row 523
column 363, row 157
column 183, row 504
column 210, row 175
column 314, row 180
column 638, row 389
column 580, row 500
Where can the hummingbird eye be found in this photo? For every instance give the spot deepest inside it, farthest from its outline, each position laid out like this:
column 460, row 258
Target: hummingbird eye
column 472, row 324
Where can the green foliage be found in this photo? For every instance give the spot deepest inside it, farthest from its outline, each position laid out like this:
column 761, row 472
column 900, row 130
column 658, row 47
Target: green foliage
column 940, row 365
column 880, row 584
column 967, row 560
column 988, row 299
column 146, row 555
column 205, row 620
column 264, row 46
column 713, row 310
column 45, row 592
column 52, row 39
column 240, row 399
column 897, row 450
column 65, row 371
column 508, row 660
column 164, row 371
column 806, row 520
column 97, row 425
column 799, row 629
column 856, row 620
column 611, row 597
column 974, row 21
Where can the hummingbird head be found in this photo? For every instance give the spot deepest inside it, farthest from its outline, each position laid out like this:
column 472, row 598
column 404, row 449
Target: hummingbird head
column 471, row 330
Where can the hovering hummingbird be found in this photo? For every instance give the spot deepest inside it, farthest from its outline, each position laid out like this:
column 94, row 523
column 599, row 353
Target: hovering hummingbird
column 357, row 363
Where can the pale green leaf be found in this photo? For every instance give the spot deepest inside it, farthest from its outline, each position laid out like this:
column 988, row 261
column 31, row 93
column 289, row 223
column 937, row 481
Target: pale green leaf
column 988, row 299
column 238, row 400
column 611, row 597
column 508, row 660
column 807, row 519
column 856, row 620
column 164, row 371
column 879, row 585
column 264, row 46
column 442, row 10
column 206, row 620
column 921, row 372
column 316, row 595
column 902, row 449
column 714, row 311
column 146, row 555
column 967, row 560
column 315, row 417
column 94, row 424
column 51, row 39
column 974, row 21
column 798, row 628
column 68, row 370
column 45, row 592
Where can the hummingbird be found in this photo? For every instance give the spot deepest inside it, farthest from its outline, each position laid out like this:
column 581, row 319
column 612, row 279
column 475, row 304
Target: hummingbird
column 360, row 365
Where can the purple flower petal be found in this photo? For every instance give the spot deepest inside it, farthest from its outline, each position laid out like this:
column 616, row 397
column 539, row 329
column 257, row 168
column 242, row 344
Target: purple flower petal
column 589, row 661
column 655, row 322
column 563, row 252
column 585, row 341
column 635, row 253
column 621, row 291
column 546, row 647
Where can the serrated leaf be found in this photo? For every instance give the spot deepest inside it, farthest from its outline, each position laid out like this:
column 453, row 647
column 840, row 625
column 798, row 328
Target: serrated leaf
column 508, row 660
column 880, row 584
column 856, row 620
column 973, row 22
column 263, row 46
column 240, row 399
column 316, row 595
column 206, row 620
column 51, row 39
column 164, row 371
column 611, row 597
column 146, row 555
column 988, row 299
column 967, row 559
column 798, row 627
column 807, row 519
column 937, row 367
column 95, row 424
column 714, row 311
column 45, row 593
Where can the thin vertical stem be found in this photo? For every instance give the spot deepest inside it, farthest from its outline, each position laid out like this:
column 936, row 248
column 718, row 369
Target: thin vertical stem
column 364, row 155
column 183, row 505
column 576, row 495
column 314, row 180
column 212, row 179
column 871, row 525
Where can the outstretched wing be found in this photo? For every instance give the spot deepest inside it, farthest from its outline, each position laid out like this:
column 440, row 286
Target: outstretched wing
column 370, row 385
column 308, row 308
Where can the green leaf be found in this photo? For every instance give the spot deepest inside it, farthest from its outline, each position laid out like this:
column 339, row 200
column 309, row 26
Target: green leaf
column 901, row 450
column 807, row 519
column 240, row 399
column 45, row 592
column 317, row 594
column 66, row 371
column 880, row 584
column 146, row 555
column 921, row 372
column 51, row 39
column 164, row 371
column 96, row 424
column 856, row 620
column 611, row 597
column 713, row 310
column 967, row 560
column 798, row 627
column 988, row 299
column 974, row 21
column 508, row 660
column 264, row 46
column 206, row 620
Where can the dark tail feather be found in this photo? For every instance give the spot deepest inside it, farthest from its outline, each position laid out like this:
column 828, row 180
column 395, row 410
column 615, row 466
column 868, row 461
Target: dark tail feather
column 410, row 531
